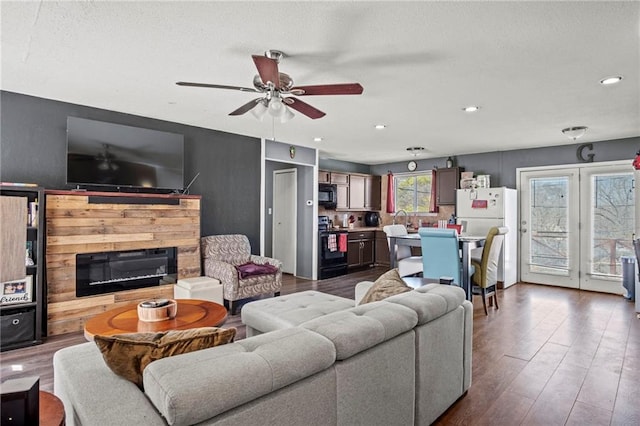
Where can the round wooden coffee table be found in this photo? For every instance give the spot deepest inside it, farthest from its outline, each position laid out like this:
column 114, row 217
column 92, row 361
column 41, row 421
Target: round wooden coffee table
column 192, row 313
column 51, row 410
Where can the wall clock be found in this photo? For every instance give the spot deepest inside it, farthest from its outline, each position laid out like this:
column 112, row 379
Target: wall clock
column 412, row 165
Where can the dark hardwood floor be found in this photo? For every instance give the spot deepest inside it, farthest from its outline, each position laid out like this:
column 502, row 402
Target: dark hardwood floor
column 548, row 356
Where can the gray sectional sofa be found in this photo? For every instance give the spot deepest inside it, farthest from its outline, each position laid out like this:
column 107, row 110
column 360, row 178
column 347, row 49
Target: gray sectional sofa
column 401, row 361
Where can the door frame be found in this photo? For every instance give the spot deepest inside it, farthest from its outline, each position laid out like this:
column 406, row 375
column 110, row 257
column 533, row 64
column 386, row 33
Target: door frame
column 581, row 214
column 294, row 212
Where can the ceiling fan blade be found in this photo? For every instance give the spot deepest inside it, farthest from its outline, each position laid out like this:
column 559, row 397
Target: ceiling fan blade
column 268, row 70
column 217, row 86
column 247, row 107
column 328, row 89
column 304, row 108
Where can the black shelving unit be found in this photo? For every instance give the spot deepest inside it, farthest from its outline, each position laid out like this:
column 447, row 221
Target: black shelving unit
column 24, row 324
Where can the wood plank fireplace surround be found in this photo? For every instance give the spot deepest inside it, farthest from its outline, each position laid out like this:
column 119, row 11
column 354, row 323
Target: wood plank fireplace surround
column 97, row 222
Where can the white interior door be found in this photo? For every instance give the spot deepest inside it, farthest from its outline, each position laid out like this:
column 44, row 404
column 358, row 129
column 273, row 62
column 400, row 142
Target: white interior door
column 285, row 190
column 575, row 224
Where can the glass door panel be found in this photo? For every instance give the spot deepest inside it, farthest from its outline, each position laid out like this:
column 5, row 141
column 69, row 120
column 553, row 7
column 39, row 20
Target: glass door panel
column 549, row 202
column 608, row 212
column 576, row 224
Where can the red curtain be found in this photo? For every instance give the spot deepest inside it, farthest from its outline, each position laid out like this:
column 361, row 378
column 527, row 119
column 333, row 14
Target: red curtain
column 433, row 207
column 391, row 200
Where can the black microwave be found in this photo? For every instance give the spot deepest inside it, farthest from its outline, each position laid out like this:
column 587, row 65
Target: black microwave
column 327, row 195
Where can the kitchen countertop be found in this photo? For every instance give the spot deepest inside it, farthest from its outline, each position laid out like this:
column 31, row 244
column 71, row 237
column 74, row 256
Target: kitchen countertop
column 365, row 228
column 371, row 228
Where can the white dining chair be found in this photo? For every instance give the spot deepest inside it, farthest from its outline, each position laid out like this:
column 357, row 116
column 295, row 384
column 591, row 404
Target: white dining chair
column 407, row 263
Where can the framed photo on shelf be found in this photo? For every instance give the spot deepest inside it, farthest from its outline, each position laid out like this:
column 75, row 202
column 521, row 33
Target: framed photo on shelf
column 17, row 291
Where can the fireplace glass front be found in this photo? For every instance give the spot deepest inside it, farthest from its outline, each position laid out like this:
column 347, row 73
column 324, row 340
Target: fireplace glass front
column 107, row 272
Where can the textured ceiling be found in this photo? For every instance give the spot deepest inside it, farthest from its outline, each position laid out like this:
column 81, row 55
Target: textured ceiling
column 533, row 67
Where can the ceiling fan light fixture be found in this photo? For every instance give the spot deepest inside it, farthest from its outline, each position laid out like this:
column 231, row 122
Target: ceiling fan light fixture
column 380, row 126
column 574, row 132
column 259, row 110
column 415, row 150
column 276, row 107
column 317, row 139
column 286, row 114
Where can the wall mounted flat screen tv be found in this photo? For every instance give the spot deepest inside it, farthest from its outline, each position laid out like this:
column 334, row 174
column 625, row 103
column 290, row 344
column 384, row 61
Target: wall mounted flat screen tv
column 123, row 157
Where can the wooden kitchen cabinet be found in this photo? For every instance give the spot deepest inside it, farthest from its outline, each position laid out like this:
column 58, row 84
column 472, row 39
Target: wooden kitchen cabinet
column 360, row 249
column 382, row 249
column 373, row 193
column 340, row 178
column 342, row 197
column 447, row 182
column 356, row 192
column 324, row 176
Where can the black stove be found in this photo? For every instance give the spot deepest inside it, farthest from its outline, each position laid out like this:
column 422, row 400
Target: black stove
column 332, row 250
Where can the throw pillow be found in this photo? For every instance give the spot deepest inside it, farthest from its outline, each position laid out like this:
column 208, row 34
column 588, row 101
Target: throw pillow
column 128, row 354
column 250, row 269
column 386, row 285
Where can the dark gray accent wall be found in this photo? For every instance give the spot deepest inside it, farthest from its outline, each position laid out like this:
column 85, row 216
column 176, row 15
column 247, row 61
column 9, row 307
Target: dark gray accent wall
column 502, row 165
column 33, row 149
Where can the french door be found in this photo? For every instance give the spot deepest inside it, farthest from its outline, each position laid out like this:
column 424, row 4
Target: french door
column 575, row 225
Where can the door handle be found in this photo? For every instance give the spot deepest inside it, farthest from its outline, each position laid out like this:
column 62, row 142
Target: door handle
column 524, row 230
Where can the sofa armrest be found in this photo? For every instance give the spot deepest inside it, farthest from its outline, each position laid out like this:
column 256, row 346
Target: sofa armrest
column 92, row 394
column 261, row 260
column 361, row 289
column 223, row 271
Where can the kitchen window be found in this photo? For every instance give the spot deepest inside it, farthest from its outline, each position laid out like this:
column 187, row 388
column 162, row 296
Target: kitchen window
column 413, row 192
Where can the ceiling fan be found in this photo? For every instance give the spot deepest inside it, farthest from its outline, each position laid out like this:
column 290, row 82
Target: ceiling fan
column 274, row 84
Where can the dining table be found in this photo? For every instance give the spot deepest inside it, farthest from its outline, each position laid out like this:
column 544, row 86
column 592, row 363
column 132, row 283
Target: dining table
column 466, row 243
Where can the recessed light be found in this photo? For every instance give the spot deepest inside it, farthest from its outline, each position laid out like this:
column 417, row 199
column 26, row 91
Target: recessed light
column 611, row 80
column 471, row 108
column 380, row 126
column 317, row 139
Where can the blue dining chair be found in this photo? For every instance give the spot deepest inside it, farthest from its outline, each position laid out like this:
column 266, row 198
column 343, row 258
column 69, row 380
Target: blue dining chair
column 441, row 254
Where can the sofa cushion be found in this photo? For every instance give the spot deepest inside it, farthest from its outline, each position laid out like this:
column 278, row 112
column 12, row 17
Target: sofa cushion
column 128, row 354
column 194, row 387
column 360, row 328
column 430, row 301
column 291, row 309
column 388, row 284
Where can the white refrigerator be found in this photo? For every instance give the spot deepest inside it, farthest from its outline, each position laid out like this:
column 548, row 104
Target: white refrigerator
column 482, row 208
